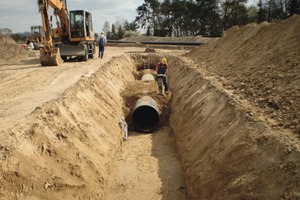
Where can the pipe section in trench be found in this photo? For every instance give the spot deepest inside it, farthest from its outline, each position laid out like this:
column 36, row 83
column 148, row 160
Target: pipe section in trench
column 146, row 115
column 148, row 77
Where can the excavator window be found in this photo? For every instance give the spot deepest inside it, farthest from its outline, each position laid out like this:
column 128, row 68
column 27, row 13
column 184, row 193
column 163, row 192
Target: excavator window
column 77, row 24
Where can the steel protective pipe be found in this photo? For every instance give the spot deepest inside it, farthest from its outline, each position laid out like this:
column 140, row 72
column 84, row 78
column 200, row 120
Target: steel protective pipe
column 145, row 117
column 148, row 78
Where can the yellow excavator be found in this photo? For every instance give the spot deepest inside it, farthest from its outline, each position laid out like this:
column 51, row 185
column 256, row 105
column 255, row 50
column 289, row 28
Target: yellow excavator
column 72, row 37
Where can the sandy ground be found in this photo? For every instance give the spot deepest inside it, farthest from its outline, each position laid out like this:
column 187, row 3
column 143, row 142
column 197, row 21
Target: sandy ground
column 34, row 97
column 230, row 126
column 26, row 85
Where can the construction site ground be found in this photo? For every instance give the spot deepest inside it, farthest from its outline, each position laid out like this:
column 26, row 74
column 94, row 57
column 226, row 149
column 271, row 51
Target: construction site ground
column 229, row 128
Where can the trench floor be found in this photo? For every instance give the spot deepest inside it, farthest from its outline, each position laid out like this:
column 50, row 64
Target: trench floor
column 147, row 167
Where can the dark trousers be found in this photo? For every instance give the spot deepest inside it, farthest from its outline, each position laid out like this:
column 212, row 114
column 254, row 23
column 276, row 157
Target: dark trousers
column 101, row 51
column 165, row 82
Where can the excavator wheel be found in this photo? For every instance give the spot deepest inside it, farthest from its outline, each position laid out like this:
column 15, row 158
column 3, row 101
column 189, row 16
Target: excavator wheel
column 50, row 58
column 86, row 56
column 94, row 52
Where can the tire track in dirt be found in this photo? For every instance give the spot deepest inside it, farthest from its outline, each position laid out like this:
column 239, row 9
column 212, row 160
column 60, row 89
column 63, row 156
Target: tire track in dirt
column 25, row 85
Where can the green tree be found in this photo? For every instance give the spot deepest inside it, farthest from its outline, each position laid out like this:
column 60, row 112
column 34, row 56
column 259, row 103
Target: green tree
column 149, row 15
column 121, row 32
column 133, row 26
column 234, row 13
column 208, row 16
column 113, row 34
column 293, row 7
column 262, row 12
column 179, row 10
column 106, row 27
column 148, row 32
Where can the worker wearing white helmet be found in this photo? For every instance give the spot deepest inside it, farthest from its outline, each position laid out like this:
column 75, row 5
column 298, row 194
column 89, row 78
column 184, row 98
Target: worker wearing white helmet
column 101, row 43
column 162, row 68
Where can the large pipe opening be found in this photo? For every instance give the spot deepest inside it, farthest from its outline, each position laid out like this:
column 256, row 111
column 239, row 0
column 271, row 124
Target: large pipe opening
column 145, row 115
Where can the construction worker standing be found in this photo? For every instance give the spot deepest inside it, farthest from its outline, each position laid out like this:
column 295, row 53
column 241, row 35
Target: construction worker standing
column 162, row 68
column 101, row 43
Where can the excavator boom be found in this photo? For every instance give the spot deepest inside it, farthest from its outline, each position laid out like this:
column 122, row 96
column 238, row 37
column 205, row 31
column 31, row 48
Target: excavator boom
column 49, row 54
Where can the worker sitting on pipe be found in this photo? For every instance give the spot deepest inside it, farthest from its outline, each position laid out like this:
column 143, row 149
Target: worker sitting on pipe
column 162, row 68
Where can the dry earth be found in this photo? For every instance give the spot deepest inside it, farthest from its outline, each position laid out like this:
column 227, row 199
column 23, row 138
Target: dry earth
column 233, row 117
column 259, row 63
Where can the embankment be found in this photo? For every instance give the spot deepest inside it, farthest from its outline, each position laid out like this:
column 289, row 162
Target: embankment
column 227, row 152
column 65, row 148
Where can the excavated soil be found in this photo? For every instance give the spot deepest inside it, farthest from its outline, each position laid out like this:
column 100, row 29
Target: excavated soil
column 260, row 64
column 228, row 130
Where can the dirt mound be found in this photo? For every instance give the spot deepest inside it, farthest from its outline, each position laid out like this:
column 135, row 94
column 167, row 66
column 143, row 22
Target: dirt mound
column 11, row 51
column 225, row 152
column 259, row 63
column 57, row 154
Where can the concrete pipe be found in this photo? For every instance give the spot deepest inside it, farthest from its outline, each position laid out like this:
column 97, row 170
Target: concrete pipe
column 145, row 117
column 148, row 77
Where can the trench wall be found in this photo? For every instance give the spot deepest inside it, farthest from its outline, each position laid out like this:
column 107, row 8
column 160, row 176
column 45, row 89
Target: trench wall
column 65, row 148
column 225, row 152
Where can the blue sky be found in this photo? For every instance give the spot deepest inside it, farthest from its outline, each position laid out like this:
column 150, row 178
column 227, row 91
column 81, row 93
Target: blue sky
column 19, row 15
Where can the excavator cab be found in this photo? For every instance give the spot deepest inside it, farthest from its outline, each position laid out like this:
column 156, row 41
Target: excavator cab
column 80, row 25
column 36, row 31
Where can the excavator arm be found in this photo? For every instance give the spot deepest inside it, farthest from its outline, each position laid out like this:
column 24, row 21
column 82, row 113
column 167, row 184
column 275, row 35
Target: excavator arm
column 49, row 54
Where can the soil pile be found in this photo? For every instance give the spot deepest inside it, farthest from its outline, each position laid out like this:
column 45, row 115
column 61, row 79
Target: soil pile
column 261, row 64
column 11, row 51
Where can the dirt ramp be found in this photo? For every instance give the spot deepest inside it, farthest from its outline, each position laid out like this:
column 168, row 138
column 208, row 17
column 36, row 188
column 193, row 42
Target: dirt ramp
column 65, row 148
column 259, row 63
column 225, row 151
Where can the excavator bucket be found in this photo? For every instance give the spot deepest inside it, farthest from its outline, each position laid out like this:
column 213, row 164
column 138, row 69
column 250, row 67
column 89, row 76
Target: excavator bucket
column 50, row 58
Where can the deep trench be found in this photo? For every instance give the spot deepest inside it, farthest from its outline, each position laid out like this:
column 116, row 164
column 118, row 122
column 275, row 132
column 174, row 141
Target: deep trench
column 148, row 123
column 214, row 136
column 220, row 146
column 219, row 150
column 201, row 144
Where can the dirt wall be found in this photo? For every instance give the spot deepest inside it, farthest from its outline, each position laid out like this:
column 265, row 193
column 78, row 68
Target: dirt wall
column 226, row 152
column 259, row 63
column 65, row 148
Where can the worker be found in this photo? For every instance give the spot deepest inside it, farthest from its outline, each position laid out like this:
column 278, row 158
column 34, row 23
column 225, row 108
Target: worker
column 101, row 43
column 162, row 68
column 30, row 45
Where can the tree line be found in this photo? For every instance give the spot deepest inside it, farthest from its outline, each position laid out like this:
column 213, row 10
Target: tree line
column 18, row 37
column 192, row 17
column 208, row 17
